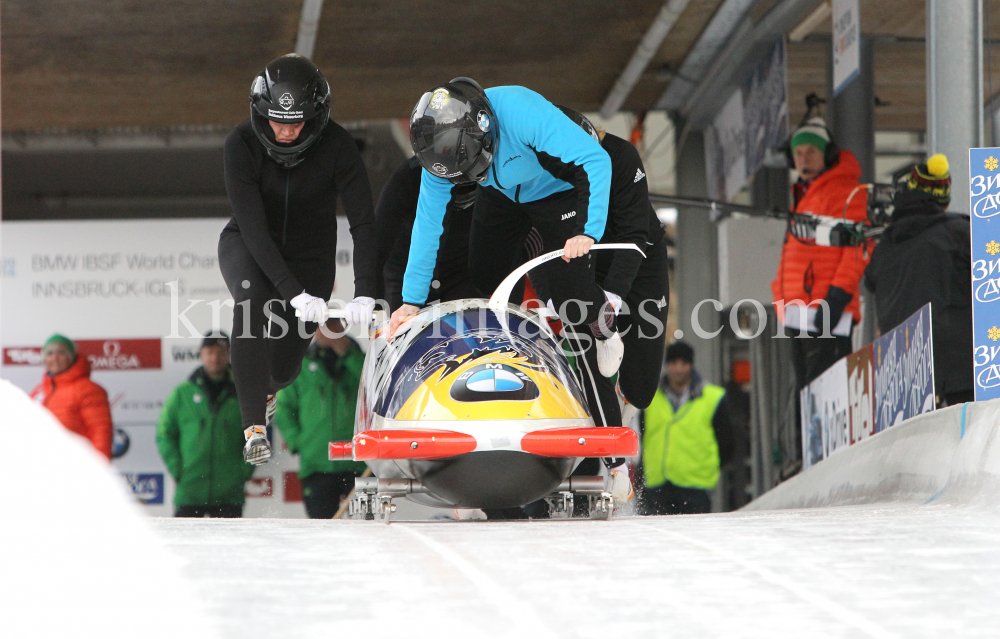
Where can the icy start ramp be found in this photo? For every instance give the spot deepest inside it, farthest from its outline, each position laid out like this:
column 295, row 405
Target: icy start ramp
column 903, row 541
column 858, row 571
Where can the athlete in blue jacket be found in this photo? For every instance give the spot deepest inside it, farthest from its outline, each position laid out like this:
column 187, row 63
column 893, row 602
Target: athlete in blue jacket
column 535, row 168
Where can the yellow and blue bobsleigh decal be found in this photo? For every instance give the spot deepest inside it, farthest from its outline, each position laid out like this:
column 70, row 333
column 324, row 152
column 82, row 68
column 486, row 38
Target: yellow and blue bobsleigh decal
column 463, row 365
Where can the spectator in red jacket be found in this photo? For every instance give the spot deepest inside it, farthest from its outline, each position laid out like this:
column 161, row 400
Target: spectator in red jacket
column 66, row 390
column 808, row 273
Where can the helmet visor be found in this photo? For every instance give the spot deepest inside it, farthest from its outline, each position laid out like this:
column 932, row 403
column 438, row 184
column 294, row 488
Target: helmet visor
column 448, row 140
column 310, row 133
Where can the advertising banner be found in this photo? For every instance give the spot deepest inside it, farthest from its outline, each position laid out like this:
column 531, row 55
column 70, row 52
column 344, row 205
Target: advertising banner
column 135, row 296
column 846, row 43
column 870, row 390
column 752, row 123
column 725, row 150
column 765, row 108
column 860, row 394
column 984, row 190
column 825, row 415
column 904, row 371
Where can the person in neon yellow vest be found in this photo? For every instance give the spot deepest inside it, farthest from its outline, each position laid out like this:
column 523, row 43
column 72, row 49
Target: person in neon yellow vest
column 686, row 437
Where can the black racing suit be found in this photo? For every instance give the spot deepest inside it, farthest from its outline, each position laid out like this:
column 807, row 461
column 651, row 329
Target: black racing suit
column 394, row 215
column 642, row 283
column 281, row 241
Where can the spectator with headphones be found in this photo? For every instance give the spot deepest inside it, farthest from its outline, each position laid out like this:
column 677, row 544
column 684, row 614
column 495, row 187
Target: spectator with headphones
column 816, row 285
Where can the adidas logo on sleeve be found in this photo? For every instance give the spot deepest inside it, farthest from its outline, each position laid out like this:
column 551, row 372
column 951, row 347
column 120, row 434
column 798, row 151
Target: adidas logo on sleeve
column 638, row 176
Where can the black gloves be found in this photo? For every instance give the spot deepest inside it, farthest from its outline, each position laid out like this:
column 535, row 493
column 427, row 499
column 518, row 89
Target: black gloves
column 837, row 299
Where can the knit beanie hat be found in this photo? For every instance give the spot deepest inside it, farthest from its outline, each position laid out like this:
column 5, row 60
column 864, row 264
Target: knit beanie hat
column 813, row 132
column 65, row 341
column 932, row 177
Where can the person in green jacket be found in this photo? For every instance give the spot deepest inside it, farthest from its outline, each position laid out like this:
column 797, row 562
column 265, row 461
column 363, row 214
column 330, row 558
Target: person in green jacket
column 318, row 408
column 687, row 436
column 200, row 437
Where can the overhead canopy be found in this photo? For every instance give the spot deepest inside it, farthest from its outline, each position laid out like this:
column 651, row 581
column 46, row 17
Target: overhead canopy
column 98, row 64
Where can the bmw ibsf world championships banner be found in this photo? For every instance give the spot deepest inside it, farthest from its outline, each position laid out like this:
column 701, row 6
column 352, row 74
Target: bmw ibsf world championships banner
column 984, row 206
column 130, row 293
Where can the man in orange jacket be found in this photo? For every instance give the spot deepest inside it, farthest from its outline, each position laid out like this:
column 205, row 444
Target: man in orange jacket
column 808, row 273
column 66, row 390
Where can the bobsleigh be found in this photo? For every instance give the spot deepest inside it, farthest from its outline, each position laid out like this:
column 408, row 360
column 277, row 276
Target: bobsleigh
column 473, row 404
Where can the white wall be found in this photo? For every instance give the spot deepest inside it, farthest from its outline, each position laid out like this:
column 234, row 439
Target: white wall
column 950, row 456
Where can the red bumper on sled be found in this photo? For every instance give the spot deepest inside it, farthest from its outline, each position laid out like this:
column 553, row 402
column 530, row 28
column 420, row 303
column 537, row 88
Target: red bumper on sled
column 403, row 444
column 436, row 444
column 614, row 441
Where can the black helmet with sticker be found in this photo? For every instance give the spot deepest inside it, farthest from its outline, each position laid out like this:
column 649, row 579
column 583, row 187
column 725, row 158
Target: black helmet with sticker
column 581, row 121
column 290, row 89
column 453, row 131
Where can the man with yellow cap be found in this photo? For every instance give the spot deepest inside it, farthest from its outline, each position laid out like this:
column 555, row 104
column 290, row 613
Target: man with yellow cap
column 924, row 256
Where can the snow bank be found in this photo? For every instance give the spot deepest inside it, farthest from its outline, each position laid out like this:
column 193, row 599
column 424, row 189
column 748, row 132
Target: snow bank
column 948, row 456
column 77, row 557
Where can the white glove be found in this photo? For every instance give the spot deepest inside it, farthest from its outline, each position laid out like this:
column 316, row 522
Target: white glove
column 614, row 300
column 310, row 307
column 359, row 311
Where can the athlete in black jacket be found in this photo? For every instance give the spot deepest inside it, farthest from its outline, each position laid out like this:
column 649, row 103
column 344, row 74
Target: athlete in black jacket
column 640, row 283
column 394, row 215
column 285, row 168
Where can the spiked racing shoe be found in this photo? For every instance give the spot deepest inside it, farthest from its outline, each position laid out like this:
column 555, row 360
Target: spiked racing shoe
column 610, row 352
column 628, row 410
column 619, row 484
column 257, row 450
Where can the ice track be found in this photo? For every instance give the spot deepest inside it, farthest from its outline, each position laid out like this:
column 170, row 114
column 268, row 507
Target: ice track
column 854, row 571
column 901, row 539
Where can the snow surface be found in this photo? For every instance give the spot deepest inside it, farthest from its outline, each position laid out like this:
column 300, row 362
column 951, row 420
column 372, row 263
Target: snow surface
column 80, row 566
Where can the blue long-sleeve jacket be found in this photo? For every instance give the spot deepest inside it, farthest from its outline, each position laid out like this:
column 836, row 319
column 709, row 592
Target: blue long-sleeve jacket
column 540, row 152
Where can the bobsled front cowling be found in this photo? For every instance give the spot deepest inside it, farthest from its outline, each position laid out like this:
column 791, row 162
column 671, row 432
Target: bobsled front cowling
column 456, row 369
column 459, row 364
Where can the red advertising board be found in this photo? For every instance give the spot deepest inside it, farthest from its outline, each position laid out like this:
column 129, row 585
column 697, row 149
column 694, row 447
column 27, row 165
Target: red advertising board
column 22, row 356
column 293, row 487
column 121, row 354
column 112, row 354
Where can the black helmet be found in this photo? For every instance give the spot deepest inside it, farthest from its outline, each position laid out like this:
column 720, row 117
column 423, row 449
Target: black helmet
column 289, row 89
column 453, row 131
column 581, row 121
